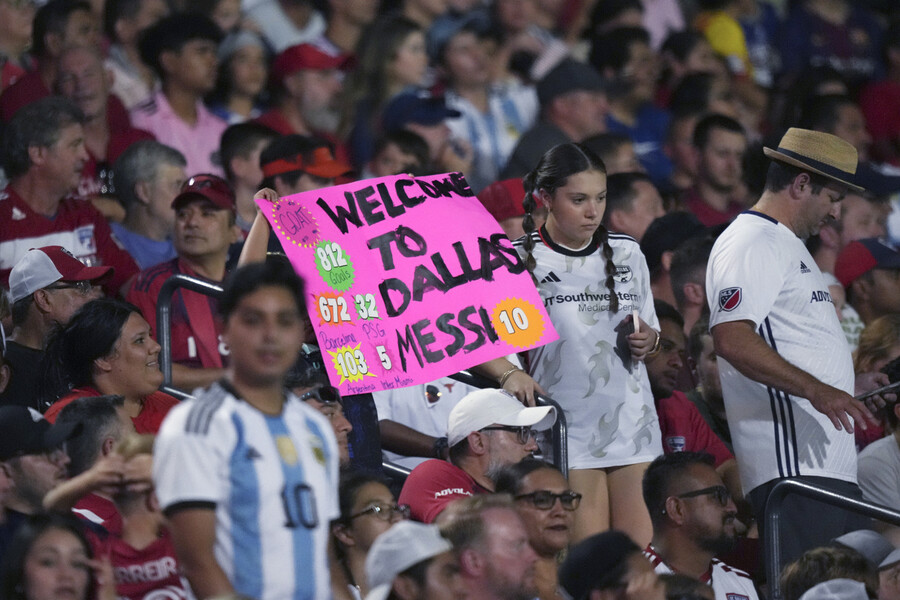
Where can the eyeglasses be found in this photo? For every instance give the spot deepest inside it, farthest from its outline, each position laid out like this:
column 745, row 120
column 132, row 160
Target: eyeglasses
column 523, row 434
column 82, row 287
column 545, row 499
column 720, row 492
column 385, row 512
column 326, row 394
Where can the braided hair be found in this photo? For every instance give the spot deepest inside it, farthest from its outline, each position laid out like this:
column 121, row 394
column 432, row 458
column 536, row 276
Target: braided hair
column 551, row 173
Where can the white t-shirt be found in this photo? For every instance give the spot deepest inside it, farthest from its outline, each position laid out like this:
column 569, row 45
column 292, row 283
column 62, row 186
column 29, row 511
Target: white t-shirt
column 409, row 406
column 606, row 399
column 879, row 472
column 727, row 582
column 272, row 481
column 759, row 271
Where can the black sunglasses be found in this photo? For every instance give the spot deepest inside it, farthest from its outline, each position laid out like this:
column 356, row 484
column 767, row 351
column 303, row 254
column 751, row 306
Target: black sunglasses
column 523, row 433
column 326, row 394
column 720, row 492
column 545, row 499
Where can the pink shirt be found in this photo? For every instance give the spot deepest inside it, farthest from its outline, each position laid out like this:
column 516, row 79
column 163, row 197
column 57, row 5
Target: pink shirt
column 199, row 143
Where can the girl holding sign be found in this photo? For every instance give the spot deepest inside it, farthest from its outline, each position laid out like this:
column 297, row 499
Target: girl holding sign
column 596, row 289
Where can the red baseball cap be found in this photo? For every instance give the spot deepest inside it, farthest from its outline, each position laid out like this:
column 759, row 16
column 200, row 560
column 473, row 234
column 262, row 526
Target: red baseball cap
column 303, row 57
column 206, row 187
column 40, row 267
column 861, row 256
column 321, row 163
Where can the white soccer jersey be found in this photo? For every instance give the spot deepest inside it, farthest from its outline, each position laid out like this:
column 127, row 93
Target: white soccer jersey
column 727, row 582
column 272, row 481
column 606, row 398
column 759, row 271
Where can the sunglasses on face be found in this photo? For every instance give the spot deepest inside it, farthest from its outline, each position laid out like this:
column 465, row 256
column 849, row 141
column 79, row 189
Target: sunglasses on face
column 326, row 394
column 545, row 499
column 523, row 434
column 385, row 512
column 82, row 287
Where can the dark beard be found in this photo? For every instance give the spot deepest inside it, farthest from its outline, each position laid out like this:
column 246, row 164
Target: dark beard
column 723, row 544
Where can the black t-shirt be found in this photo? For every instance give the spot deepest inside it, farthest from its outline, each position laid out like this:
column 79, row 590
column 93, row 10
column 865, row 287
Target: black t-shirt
column 24, row 380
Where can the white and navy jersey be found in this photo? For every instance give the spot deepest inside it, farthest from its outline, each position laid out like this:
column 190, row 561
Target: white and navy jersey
column 760, row 272
column 272, row 481
column 605, row 396
column 727, row 582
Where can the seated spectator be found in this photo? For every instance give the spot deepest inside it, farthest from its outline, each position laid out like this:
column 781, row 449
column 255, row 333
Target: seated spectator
column 683, row 428
column 239, row 150
column 493, row 114
column 33, row 462
column 687, row 274
column 822, row 564
column 679, row 147
column 658, row 246
column 241, row 81
column 44, row 155
column 694, row 523
column 58, row 25
column 412, row 561
column 145, row 539
column 707, row 396
column 398, row 152
column 28, row 574
column 632, row 203
column 625, row 58
column 426, row 116
column 683, row 53
column 878, row 348
column 16, row 19
column 412, row 421
column 609, row 565
column 573, row 107
column 535, row 487
column 718, row 194
column 294, row 163
column 391, row 58
column 503, row 199
column 83, row 79
column 368, row 509
column 879, row 461
column 148, row 177
column 306, row 85
column 47, row 286
column 880, row 99
column 488, row 429
column 124, row 21
column 868, row 269
column 94, row 467
column 181, row 49
column 286, row 22
column 106, row 348
column 616, row 150
column 204, row 230
column 496, row 561
column 312, row 387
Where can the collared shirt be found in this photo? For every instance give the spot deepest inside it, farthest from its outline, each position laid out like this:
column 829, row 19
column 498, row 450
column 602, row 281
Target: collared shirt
column 199, row 142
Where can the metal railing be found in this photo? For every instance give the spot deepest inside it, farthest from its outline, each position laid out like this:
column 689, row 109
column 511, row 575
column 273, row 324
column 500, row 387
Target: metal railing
column 801, row 488
column 178, row 281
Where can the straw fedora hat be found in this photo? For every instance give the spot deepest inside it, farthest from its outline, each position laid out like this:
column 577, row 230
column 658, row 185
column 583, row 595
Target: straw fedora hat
column 818, row 152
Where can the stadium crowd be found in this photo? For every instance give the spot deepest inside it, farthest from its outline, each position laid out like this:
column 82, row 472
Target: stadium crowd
column 720, row 178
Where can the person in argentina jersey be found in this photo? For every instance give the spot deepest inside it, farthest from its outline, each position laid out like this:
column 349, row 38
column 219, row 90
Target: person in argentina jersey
column 246, row 472
column 786, row 370
column 596, row 288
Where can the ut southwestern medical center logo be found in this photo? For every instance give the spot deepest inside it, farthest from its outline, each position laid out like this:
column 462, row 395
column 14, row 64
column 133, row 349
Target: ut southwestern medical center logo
column 729, row 299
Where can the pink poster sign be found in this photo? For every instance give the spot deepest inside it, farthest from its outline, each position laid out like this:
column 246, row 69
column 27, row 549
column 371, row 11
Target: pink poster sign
column 408, row 280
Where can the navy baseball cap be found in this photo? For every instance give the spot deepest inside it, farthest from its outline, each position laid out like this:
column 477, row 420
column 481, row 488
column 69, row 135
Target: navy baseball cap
column 861, row 256
column 415, row 107
column 569, row 76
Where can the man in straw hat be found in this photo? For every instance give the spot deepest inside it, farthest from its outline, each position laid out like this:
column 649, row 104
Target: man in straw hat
column 787, row 374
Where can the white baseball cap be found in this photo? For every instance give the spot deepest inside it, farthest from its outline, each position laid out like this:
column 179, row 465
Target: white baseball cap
column 486, row 407
column 41, row 267
column 837, row 589
column 402, row 546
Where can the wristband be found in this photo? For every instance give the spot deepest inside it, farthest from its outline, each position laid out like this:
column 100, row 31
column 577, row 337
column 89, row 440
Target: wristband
column 655, row 350
column 506, row 375
column 440, row 445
